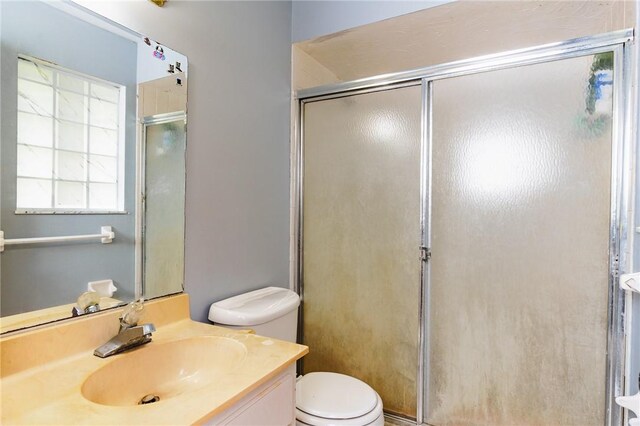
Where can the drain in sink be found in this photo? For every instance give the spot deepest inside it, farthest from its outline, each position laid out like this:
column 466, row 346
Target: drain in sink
column 149, row 399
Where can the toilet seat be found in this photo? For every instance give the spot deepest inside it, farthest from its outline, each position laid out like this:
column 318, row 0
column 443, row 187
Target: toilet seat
column 374, row 418
column 324, row 399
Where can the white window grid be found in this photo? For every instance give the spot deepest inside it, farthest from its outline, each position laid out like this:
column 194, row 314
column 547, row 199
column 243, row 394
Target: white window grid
column 56, row 71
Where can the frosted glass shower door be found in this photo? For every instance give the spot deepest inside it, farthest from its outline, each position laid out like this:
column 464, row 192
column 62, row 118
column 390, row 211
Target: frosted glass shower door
column 164, row 192
column 361, row 230
column 520, row 245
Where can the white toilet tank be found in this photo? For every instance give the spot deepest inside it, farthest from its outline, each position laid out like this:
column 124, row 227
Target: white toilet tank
column 270, row 311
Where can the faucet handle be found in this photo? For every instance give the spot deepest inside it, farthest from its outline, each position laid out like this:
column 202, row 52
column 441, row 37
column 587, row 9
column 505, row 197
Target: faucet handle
column 147, row 329
column 132, row 313
column 87, row 302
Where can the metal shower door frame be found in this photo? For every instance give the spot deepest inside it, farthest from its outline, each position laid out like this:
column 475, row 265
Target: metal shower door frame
column 141, row 190
column 622, row 184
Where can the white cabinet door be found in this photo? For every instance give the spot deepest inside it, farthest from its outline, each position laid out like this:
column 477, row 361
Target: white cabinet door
column 272, row 404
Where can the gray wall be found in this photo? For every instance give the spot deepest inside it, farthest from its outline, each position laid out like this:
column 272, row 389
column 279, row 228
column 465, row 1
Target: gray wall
column 237, row 207
column 320, row 17
column 35, row 277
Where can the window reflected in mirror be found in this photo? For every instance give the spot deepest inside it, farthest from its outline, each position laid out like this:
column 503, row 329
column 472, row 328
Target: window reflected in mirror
column 70, row 141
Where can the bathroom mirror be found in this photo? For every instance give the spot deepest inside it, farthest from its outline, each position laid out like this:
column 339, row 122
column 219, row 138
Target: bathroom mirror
column 93, row 137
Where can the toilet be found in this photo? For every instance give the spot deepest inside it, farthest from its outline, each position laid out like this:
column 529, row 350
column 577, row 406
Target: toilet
column 322, row 398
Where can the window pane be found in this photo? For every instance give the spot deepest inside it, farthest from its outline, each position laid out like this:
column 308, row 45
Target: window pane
column 33, row 71
column 107, row 93
column 69, row 82
column 35, row 161
column 104, row 114
column 71, row 106
column 71, row 166
column 103, row 141
column 103, row 169
column 71, row 136
column 34, row 97
column 103, row 196
column 35, row 129
column 67, row 135
column 70, row 195
column 33, row 193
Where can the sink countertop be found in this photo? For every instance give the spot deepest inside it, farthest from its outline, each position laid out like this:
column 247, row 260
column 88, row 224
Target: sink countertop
column 50, row 393
column 55, row 313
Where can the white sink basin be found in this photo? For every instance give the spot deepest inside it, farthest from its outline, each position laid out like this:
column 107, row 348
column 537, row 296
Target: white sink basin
column 163, row 371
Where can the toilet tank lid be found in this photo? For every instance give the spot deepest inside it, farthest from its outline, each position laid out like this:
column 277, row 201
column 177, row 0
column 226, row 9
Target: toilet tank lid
column 255, row 307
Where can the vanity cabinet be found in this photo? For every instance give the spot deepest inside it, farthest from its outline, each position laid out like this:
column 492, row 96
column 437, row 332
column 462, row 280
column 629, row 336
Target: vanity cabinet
column 272, row 404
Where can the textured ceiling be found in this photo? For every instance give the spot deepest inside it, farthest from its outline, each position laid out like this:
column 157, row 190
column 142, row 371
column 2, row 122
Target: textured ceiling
column 460, row 30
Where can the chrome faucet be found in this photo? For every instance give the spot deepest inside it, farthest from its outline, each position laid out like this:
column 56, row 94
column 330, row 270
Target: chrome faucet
column 131, row 334
column 88, row 302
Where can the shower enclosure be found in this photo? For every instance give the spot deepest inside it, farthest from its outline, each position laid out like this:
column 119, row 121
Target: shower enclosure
column 162, row 207
column 461, row 229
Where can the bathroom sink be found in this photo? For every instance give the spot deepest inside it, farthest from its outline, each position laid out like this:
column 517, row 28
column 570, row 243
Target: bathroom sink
column 160, row 371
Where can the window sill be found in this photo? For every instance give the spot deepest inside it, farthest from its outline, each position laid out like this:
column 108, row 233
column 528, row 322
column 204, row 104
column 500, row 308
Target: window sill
column 69, row 212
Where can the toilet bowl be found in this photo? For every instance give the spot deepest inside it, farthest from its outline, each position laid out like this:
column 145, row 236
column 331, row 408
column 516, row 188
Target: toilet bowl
column 322, row 398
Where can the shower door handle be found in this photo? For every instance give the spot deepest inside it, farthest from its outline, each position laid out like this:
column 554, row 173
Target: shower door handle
column 425, row 254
